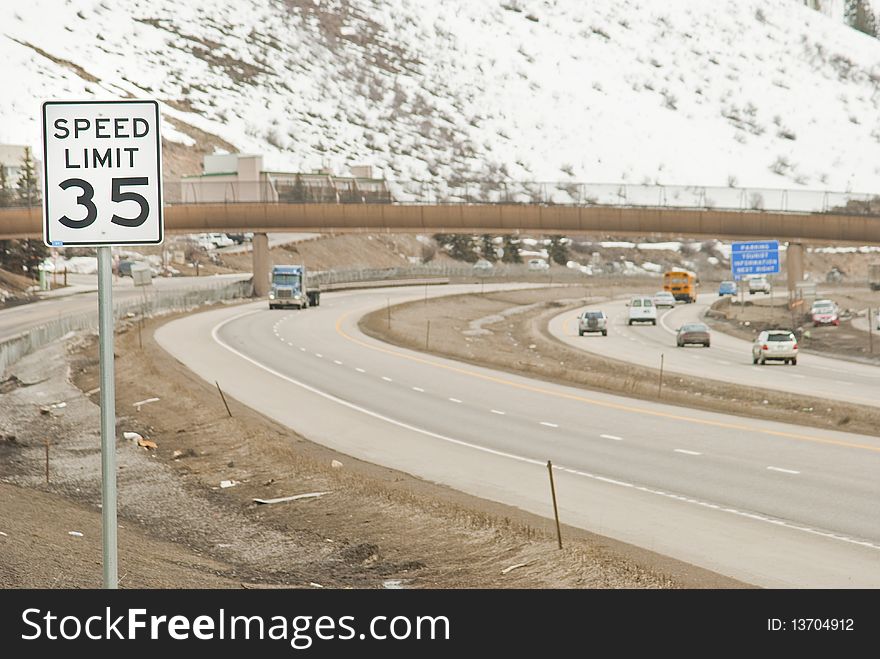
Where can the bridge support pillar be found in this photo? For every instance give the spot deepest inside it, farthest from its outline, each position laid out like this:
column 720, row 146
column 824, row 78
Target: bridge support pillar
column 794, row 267
column 261, row 264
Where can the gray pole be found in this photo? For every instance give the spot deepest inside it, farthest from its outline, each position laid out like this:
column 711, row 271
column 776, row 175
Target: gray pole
column 108, row 415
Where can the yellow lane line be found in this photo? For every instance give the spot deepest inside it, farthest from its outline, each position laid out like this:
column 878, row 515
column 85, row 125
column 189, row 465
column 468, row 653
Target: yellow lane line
column 598, row 403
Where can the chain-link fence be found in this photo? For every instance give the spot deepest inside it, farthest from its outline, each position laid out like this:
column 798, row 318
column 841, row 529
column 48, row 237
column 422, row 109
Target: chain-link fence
column 150, row 303
column 328, row 190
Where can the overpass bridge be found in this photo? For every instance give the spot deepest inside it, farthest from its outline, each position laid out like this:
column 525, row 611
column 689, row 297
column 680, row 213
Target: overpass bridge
column 797, row 217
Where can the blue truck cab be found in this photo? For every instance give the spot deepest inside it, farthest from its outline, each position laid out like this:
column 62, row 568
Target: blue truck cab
column 290, row 288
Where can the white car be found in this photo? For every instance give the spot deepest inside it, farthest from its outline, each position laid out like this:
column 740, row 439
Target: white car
column 759, row 284
column 221, row 239
column 483, row 266
column 825, row 312
column 775, row 345
column 538, row 264
column 593, row 321
column 664, row 299
column 642, row 310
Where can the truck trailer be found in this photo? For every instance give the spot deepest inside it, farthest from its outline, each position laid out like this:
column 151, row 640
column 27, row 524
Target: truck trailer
column 290, row 288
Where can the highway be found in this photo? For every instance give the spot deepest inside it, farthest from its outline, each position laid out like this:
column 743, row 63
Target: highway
column 771, row 504
column 729, row 359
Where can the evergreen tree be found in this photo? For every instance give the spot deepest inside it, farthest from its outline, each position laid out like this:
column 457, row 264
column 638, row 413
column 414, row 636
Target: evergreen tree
column 6, row 195
column 459, row 246
column 558, row 251
column 22, row 256
column 858, row 15
column 511, row 250
column 298, row 194
column 28, row 192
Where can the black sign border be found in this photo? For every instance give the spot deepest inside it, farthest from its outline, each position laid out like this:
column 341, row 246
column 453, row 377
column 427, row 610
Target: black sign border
column 160, row 209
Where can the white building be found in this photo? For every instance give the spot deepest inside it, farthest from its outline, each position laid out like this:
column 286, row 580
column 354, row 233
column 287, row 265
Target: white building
column 236, row 177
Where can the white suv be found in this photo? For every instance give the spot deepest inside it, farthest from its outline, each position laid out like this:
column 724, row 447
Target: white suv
column 759, row 285
column 775, row 345
column 642, row 310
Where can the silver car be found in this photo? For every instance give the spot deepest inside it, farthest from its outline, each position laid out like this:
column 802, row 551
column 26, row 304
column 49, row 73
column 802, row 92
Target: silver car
column 593, row 321
column 775, row 345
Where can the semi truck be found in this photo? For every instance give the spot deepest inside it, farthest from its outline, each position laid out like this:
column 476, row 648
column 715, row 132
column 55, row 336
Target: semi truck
column 290, row 288
column 874, row 276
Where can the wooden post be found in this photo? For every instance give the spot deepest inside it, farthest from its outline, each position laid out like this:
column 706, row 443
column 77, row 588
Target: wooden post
column 555, row 508
column 870, row 332
column 47, row 461
column 660, row 384
column 389, row 312
column 223, row 397
column 427, row 335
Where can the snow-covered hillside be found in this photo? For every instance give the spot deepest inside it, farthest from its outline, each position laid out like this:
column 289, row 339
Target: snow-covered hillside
column 710, row 92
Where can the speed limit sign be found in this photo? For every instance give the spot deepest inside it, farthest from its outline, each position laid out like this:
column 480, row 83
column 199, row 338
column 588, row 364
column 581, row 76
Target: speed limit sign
column 103, row 173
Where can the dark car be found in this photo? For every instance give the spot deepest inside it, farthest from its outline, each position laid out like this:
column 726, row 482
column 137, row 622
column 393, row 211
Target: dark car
column 693, row 333
column 124, row 268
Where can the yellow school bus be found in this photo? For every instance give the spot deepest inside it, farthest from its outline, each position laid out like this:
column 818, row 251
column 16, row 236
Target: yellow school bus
column 682, row 284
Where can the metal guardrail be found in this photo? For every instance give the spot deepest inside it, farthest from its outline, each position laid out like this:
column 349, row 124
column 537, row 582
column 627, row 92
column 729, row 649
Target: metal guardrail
column 152, row 303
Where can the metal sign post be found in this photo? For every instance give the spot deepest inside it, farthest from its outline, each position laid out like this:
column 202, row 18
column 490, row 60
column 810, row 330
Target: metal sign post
column 103, row 187
column 108, row 415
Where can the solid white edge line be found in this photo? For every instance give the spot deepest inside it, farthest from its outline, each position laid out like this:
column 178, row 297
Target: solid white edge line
column 519, row 458
column 784, row 471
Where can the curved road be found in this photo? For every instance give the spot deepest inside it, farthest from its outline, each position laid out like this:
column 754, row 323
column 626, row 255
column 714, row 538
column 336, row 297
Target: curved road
column 769, row 503
column 728, row 360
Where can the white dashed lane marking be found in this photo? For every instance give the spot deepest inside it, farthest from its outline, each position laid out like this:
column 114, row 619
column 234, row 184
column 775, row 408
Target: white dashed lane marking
column 337, row 362
column 614, row 437
column 418, row 389
column 549, row 425
column 784, row 471
column 455, row 400
column 318, row 354
column 497, row 412
column 360, row 370
column 387, row 379
column 686, row 452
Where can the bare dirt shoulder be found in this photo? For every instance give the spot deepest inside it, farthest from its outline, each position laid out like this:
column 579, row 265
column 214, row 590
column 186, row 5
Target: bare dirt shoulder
column 520, row 343
column 746, row 321
column 375, row 527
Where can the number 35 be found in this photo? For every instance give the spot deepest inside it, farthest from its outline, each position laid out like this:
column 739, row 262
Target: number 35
column 117, row 195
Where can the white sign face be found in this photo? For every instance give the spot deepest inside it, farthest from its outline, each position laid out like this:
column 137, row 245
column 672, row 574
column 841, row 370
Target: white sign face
column 103, row 173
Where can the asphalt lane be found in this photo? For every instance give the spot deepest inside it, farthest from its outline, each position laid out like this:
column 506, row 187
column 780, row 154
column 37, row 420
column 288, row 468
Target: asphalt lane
column 770, row 503
column 729, row 359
